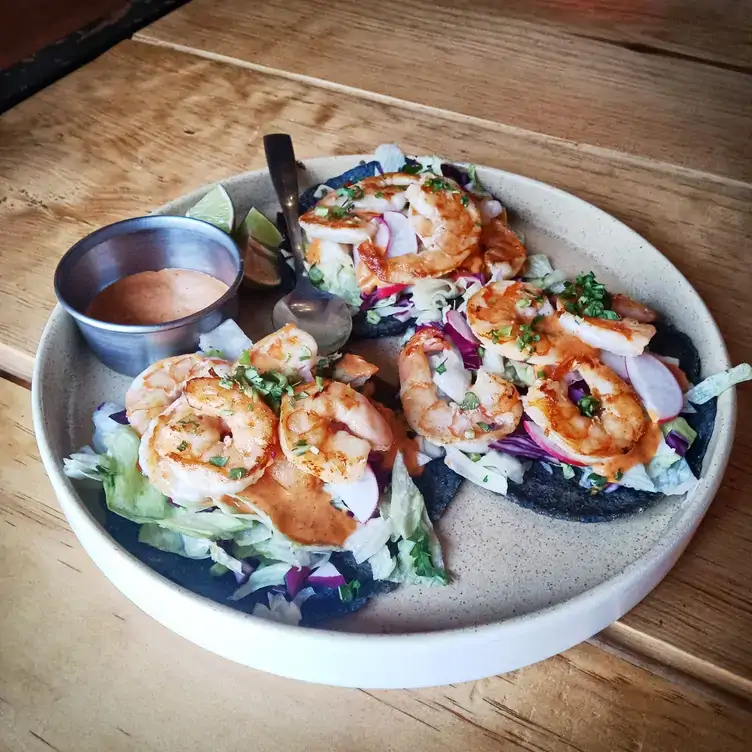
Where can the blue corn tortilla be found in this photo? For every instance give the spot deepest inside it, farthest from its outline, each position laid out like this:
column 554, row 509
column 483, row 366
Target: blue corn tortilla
column 553, row 495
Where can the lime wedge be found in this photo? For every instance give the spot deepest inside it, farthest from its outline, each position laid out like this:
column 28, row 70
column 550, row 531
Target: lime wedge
column 261, row 268
column 216, row 208
column 262, row 229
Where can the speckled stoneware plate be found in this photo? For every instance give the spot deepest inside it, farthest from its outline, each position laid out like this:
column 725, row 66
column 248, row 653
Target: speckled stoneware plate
column 525, row 585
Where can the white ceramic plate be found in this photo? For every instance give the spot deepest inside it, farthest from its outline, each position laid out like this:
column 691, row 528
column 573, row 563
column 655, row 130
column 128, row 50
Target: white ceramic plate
column 525, row 586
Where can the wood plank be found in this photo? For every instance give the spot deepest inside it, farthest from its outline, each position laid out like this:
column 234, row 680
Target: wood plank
column 473, row 59
column 712, row 31
column 77, row 655
column 97, row 147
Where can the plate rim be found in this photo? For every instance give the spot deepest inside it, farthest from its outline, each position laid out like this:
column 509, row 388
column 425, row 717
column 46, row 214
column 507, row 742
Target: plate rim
column 618, row 593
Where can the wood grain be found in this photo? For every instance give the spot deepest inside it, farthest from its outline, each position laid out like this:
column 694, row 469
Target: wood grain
column 143, row 125
column 81, row 668
column 471, row 58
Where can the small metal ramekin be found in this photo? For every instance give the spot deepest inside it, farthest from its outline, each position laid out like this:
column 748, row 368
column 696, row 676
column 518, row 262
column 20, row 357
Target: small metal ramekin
column 138, row 245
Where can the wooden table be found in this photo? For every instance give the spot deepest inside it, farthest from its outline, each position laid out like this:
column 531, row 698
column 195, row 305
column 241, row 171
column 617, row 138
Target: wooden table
column 647, row 114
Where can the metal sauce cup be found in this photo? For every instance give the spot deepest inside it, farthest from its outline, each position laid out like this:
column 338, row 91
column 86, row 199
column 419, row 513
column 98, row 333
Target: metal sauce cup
column 138, row 245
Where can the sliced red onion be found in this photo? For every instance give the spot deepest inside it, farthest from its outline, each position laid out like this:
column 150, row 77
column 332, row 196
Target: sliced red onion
column 617, row 363
column 383, row 235
column 677, row 442
column 539, row 437
column 577, row 390
column 521, row 445
column 437, row 325
column 610, row 488
column 295, row 579
column 327, row 575
column 120, row 417
column 248, row 568
column 402, row 237
column 464, row 340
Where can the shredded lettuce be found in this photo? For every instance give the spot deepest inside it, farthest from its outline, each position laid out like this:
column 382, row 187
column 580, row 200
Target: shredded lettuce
column 268, row 576
column 676, row 480
column 431, row 297
column 636, row 477
column 368, row 539
column 281, row 610
column 228, row 339
column 680, row 426
column 491, row 470
column 87, row 465
column 449, row 374
column 567, row 471
column 715, row 385
column 382, row 564
column 337, row 273
column 215, row 525
column 390, row 157
column 664, row 457
column 173, row 542
column 537, row 266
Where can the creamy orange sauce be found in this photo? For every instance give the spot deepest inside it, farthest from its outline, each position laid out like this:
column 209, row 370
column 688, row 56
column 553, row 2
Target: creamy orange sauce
column 156, row 297
column 298, row 506
column 643, row 451
column 402, row 442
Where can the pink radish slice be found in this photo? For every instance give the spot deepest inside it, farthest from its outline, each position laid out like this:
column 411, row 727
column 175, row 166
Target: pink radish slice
column 383, row 234
column 327, row 575
column 656, row 386
column 459, row 323
column 402, row 237
column 617, row 363
column 537, row 434
column 360, row 497
column 386, row 291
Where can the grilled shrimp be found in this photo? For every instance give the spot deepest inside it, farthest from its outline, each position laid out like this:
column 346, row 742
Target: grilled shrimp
column 345, row 215
column 289, row 350
column 328, row 429
column 632, row 309
column 618, row 420
column 447, row 222
column 516, row 320
column 503, row 252
column 625, row 336
column 492, row 405
column 158, row 386
column 352, row 369
column 211, row 441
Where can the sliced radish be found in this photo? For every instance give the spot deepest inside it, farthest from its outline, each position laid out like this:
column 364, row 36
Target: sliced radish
column 327, row 575
column 383, row 235
column 656, row 386
column 617, row 363
column 387, row 290
column 360, row 497
column 459, row 323
column 402, row 237
column 537, row 434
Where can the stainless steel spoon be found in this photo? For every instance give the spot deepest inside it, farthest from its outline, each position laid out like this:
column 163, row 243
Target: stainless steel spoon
column 325, row 317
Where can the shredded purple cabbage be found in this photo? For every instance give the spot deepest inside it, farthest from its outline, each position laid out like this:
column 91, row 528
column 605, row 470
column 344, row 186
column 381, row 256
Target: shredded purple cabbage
column 455, row 173
column 295, row 580
column 469, row 350
column 120, row 417
column 677, row 442
column 578, row 390
column 519, row 444
column 248, row 568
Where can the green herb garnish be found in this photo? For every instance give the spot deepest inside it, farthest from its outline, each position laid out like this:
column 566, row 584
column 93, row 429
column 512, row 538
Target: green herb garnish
column 315, row 275
column 349, row 591
column 485, row 479
column 471, row 401
column 464, row 199
column 218, row 461
column 484, row 426
column 245, row 358
column 182, row 446
column 214, row 353
column 588, row 297
column 597, row 482
column 421, row 555
column 589, row 406
column 527, row 337
column 481, row 352
column 441, row 368
column 236, row 473
column 379, row 194
column 373, row 317
column 619, row 474
column 475, row 457
column 503, row 332
column 440, row 184
column 306, row 353
column 411, row 168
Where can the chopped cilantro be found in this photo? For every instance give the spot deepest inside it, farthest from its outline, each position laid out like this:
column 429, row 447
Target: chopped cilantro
column 245, row 358
column 541, row 374
column 411, row 168
column 619, row 474
column 475, row 457
column 503, row 332
column 485, row 479
column 588, row 297
column 421, row 555
column 226, row 382
column 484, row 426
column 306, row 353
column 441, row 368
column 373, row 317
column 464, row 199
column 218, row 461
column 589, row 406
column 349, row 591
column 236, row 473
column 527, row 337
column 597, row 482
column 379, row 194
column 315, row 275
column 214, row 353
column 524, row 303
column 481, row 352
column 320, row 383
column 471, row 401
column 439, row 184
column 182, row 446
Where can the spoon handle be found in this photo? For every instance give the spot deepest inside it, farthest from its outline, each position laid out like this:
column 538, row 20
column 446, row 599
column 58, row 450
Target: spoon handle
column 280, row 158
